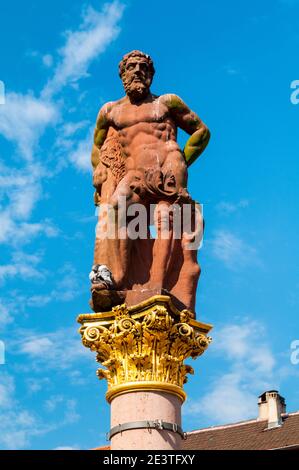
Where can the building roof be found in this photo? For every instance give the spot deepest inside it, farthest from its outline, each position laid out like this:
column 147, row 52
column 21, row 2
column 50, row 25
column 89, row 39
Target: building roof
column 273, row 429
column 251, row 435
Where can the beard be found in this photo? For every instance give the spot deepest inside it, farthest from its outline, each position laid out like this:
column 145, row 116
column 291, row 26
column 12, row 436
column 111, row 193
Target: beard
column 136, row 89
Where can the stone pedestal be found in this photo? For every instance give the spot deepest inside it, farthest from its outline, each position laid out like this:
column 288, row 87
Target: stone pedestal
column 143, row 349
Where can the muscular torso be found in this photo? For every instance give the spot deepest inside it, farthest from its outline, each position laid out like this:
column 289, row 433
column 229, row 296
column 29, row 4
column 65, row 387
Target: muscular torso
column 147, row 134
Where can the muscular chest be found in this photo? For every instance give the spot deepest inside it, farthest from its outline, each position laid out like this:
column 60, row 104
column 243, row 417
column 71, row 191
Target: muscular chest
column 128, row 115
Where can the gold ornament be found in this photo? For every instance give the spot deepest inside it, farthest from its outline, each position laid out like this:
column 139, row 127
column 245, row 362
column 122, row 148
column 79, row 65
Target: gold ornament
column 144, row 347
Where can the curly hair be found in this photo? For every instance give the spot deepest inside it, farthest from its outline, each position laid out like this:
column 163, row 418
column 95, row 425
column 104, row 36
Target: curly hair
column 123, row 62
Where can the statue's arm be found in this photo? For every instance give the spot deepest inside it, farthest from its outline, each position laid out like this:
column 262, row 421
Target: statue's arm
column 100, row 134
column 190, row 123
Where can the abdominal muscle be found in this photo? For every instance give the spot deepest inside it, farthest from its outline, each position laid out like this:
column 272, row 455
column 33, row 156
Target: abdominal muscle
column 149, row 146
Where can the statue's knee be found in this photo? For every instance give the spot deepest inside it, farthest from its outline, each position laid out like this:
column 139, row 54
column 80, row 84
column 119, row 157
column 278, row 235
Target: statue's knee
column 164, row 217
column 195, row 271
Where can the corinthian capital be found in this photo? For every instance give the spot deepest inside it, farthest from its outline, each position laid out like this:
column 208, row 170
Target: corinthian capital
column 145, row 346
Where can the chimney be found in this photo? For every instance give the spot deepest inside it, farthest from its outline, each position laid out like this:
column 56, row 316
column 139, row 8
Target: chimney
column 271, row 406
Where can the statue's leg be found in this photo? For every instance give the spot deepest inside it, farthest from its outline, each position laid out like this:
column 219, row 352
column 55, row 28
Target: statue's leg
column 105, row 242
column 162, row 245
column 185, row 288
column 110, row 250
column 119, row 249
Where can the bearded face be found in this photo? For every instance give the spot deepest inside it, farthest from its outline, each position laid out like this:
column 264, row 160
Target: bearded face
column 137, row 78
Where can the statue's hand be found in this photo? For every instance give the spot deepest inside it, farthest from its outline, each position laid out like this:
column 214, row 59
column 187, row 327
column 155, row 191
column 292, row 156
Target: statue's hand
column 183, row 197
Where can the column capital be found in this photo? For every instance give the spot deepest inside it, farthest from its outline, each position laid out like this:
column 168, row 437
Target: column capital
column 143, row 347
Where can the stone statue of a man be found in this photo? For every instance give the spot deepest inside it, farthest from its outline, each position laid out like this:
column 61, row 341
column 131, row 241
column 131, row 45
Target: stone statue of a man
column 136, row 159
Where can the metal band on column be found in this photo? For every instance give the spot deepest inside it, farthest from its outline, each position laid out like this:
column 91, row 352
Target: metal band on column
column 157, row 424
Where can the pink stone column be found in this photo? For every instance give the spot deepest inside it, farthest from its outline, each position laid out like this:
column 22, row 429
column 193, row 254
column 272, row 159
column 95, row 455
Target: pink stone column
column 144, row 406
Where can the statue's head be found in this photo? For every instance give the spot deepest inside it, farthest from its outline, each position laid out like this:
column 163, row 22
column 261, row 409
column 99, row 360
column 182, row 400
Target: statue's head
column 136, row 69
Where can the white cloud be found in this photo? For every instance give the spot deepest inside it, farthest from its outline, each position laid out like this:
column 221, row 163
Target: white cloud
column 240, row 343
column 22, row 203
column 57, row 402
column 22, row 266
column 47, row 60
column 227, row 208
column 5, row 316
column 66, row 289
column 25, row 117
column 18, row 233
column 52, row 403
column 65, row 141
column 67, row 286
column 38, row 300
column 226, row 402
column 19, row 425
column 37, row 346
column 23, row 120
column 96, row 32
column 20, row 190
column 15, row 422
column 232, row 250
column 232, row 396
column 80, row 157
column 34, row 385
column 7, row 389
column 16, row 429
column 231, row 70
column 58, row 350
column 70, row 413
column 70, row 128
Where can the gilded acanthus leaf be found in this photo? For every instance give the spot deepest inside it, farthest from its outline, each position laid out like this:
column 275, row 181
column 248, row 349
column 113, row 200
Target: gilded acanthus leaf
column 148, row 347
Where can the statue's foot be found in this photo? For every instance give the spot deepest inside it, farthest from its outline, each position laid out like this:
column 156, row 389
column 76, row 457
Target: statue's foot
column 103, row 300
column 99, row 286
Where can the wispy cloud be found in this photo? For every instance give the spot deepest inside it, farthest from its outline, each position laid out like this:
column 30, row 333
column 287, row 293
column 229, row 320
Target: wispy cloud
column 18, row 425
column 226, row 402
column 22, row 266
column 57, row 402
column 20, row 190
column 95, row 33
column 227, row 208
column 7, row 389
column 35, row 384
column 47, row 60
column 16, row 233
column 232, row 396
column 240, row 343
column 58, row 350
column 23, row 120
column 232, row 70
column 67, row 288
column 234, row 252
column 80, row 157
column 5, row 316
column 27, row 267
column 27, row 121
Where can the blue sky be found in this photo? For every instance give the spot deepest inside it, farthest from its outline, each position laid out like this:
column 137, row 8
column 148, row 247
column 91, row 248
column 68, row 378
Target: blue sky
column 233, row 63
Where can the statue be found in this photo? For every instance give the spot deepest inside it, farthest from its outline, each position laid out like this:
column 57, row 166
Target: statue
column 137, row 162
